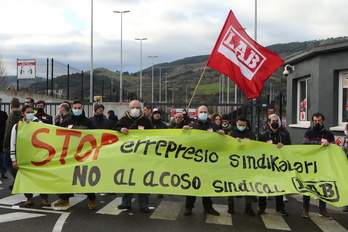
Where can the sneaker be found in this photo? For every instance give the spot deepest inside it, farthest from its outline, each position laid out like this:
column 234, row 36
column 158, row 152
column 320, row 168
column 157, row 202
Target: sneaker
column 324, row 214
column 145, row 209
column 3, row 176
column 92, row 204
column 61, row 202
column 44, row 202
column 305, row 213
column 122, row 206
column 188, row 211
column 230, row 209
column 212, row 212
column 261, row 211
column 30, row 201
column 248, row 210
column 285, row 199
column 282, row 212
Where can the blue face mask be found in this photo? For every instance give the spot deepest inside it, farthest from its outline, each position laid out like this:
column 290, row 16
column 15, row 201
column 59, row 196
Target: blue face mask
column 29, row 116
column 203, row 116
column 241, row 128
column 77, row 112
column 59, row 114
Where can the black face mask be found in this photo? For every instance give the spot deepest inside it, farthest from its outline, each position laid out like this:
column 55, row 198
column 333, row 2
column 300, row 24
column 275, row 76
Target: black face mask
column 318, row 126
column 40, row 110
column 275, row 125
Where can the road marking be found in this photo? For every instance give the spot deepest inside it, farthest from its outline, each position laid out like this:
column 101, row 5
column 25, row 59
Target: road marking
column 10, row 217
column 58, row 227
column 224, row 218
column 72, row 201
column 111, row 208
column 274, row 221
column 14, row 199
column 326, row 225
column 167, row 210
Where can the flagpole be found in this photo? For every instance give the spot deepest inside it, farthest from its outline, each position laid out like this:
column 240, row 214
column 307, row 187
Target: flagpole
column 194, row 92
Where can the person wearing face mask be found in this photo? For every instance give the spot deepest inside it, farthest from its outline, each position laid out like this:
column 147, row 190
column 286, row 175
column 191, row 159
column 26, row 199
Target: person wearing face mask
column 134, row 119
column 41, row 115
column 77, row 120
column 202, row 123
column 241, row 131
column 63, row 113
column 99, row 120
column 27, row 117
column 273, row 135
column 317, row 136
column 226, row 125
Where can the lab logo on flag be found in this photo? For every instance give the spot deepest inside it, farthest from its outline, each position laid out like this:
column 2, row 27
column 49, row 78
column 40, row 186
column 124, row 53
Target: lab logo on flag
column 243, row 60
column 238, row 50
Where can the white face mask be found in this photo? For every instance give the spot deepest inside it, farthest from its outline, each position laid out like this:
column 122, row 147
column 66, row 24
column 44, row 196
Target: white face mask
column 203, row 116
column 135, row 113
column 346, row 133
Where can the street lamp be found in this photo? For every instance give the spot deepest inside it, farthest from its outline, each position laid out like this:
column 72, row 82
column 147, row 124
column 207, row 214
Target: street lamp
column 160, row 86
column 152, row 57
column 121, row 12
column 91, row 61
column 141, row 66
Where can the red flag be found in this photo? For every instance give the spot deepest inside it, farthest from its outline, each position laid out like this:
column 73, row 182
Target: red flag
column 244, row 61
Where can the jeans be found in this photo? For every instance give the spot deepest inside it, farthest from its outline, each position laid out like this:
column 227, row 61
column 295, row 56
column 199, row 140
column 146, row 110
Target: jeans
column 8, row 164
column 142, row 198
column 2, row 163
column 307, row 199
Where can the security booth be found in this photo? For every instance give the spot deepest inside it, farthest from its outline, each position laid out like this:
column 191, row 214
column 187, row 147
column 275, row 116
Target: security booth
column 317, row 81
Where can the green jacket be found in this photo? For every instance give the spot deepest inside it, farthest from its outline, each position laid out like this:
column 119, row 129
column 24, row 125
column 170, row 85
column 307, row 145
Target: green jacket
column 10, row 122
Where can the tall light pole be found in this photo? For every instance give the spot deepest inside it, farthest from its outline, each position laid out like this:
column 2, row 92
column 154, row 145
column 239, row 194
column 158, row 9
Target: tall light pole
column 160, row 84
column 91, row 63
column 152, row 57
column 141, row 66
column 121, row 12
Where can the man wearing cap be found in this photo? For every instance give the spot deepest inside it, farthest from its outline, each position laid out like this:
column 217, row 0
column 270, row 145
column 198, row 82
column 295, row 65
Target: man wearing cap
column 99, row 120
column 156, row 119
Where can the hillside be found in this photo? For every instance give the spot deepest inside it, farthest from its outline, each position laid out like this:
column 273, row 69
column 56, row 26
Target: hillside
column 181, row 77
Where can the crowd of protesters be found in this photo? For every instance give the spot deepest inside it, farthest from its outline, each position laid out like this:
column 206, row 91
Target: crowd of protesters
column 72, row 116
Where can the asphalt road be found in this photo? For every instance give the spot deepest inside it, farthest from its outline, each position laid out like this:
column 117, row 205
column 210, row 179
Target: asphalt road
column 166, row 215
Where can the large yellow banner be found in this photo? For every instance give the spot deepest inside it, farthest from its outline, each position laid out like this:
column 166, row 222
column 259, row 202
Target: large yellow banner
column 173, row 161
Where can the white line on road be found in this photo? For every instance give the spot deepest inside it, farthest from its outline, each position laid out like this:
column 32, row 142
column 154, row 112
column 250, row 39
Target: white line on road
column 10, row 217
column 224, row 218
column 274, row 221
column 14, row 199
column 111, row 208
column 58, row 227
column 167, row 210
column 326, row 225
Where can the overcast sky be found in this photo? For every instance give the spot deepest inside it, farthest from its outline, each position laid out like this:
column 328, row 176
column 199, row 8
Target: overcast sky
column 175, row 29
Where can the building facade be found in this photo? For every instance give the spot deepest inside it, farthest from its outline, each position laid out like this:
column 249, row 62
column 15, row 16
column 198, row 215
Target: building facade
column 317, row 82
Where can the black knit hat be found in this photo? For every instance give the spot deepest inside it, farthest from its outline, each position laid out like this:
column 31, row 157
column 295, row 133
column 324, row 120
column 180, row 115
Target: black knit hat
column 98, row 105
